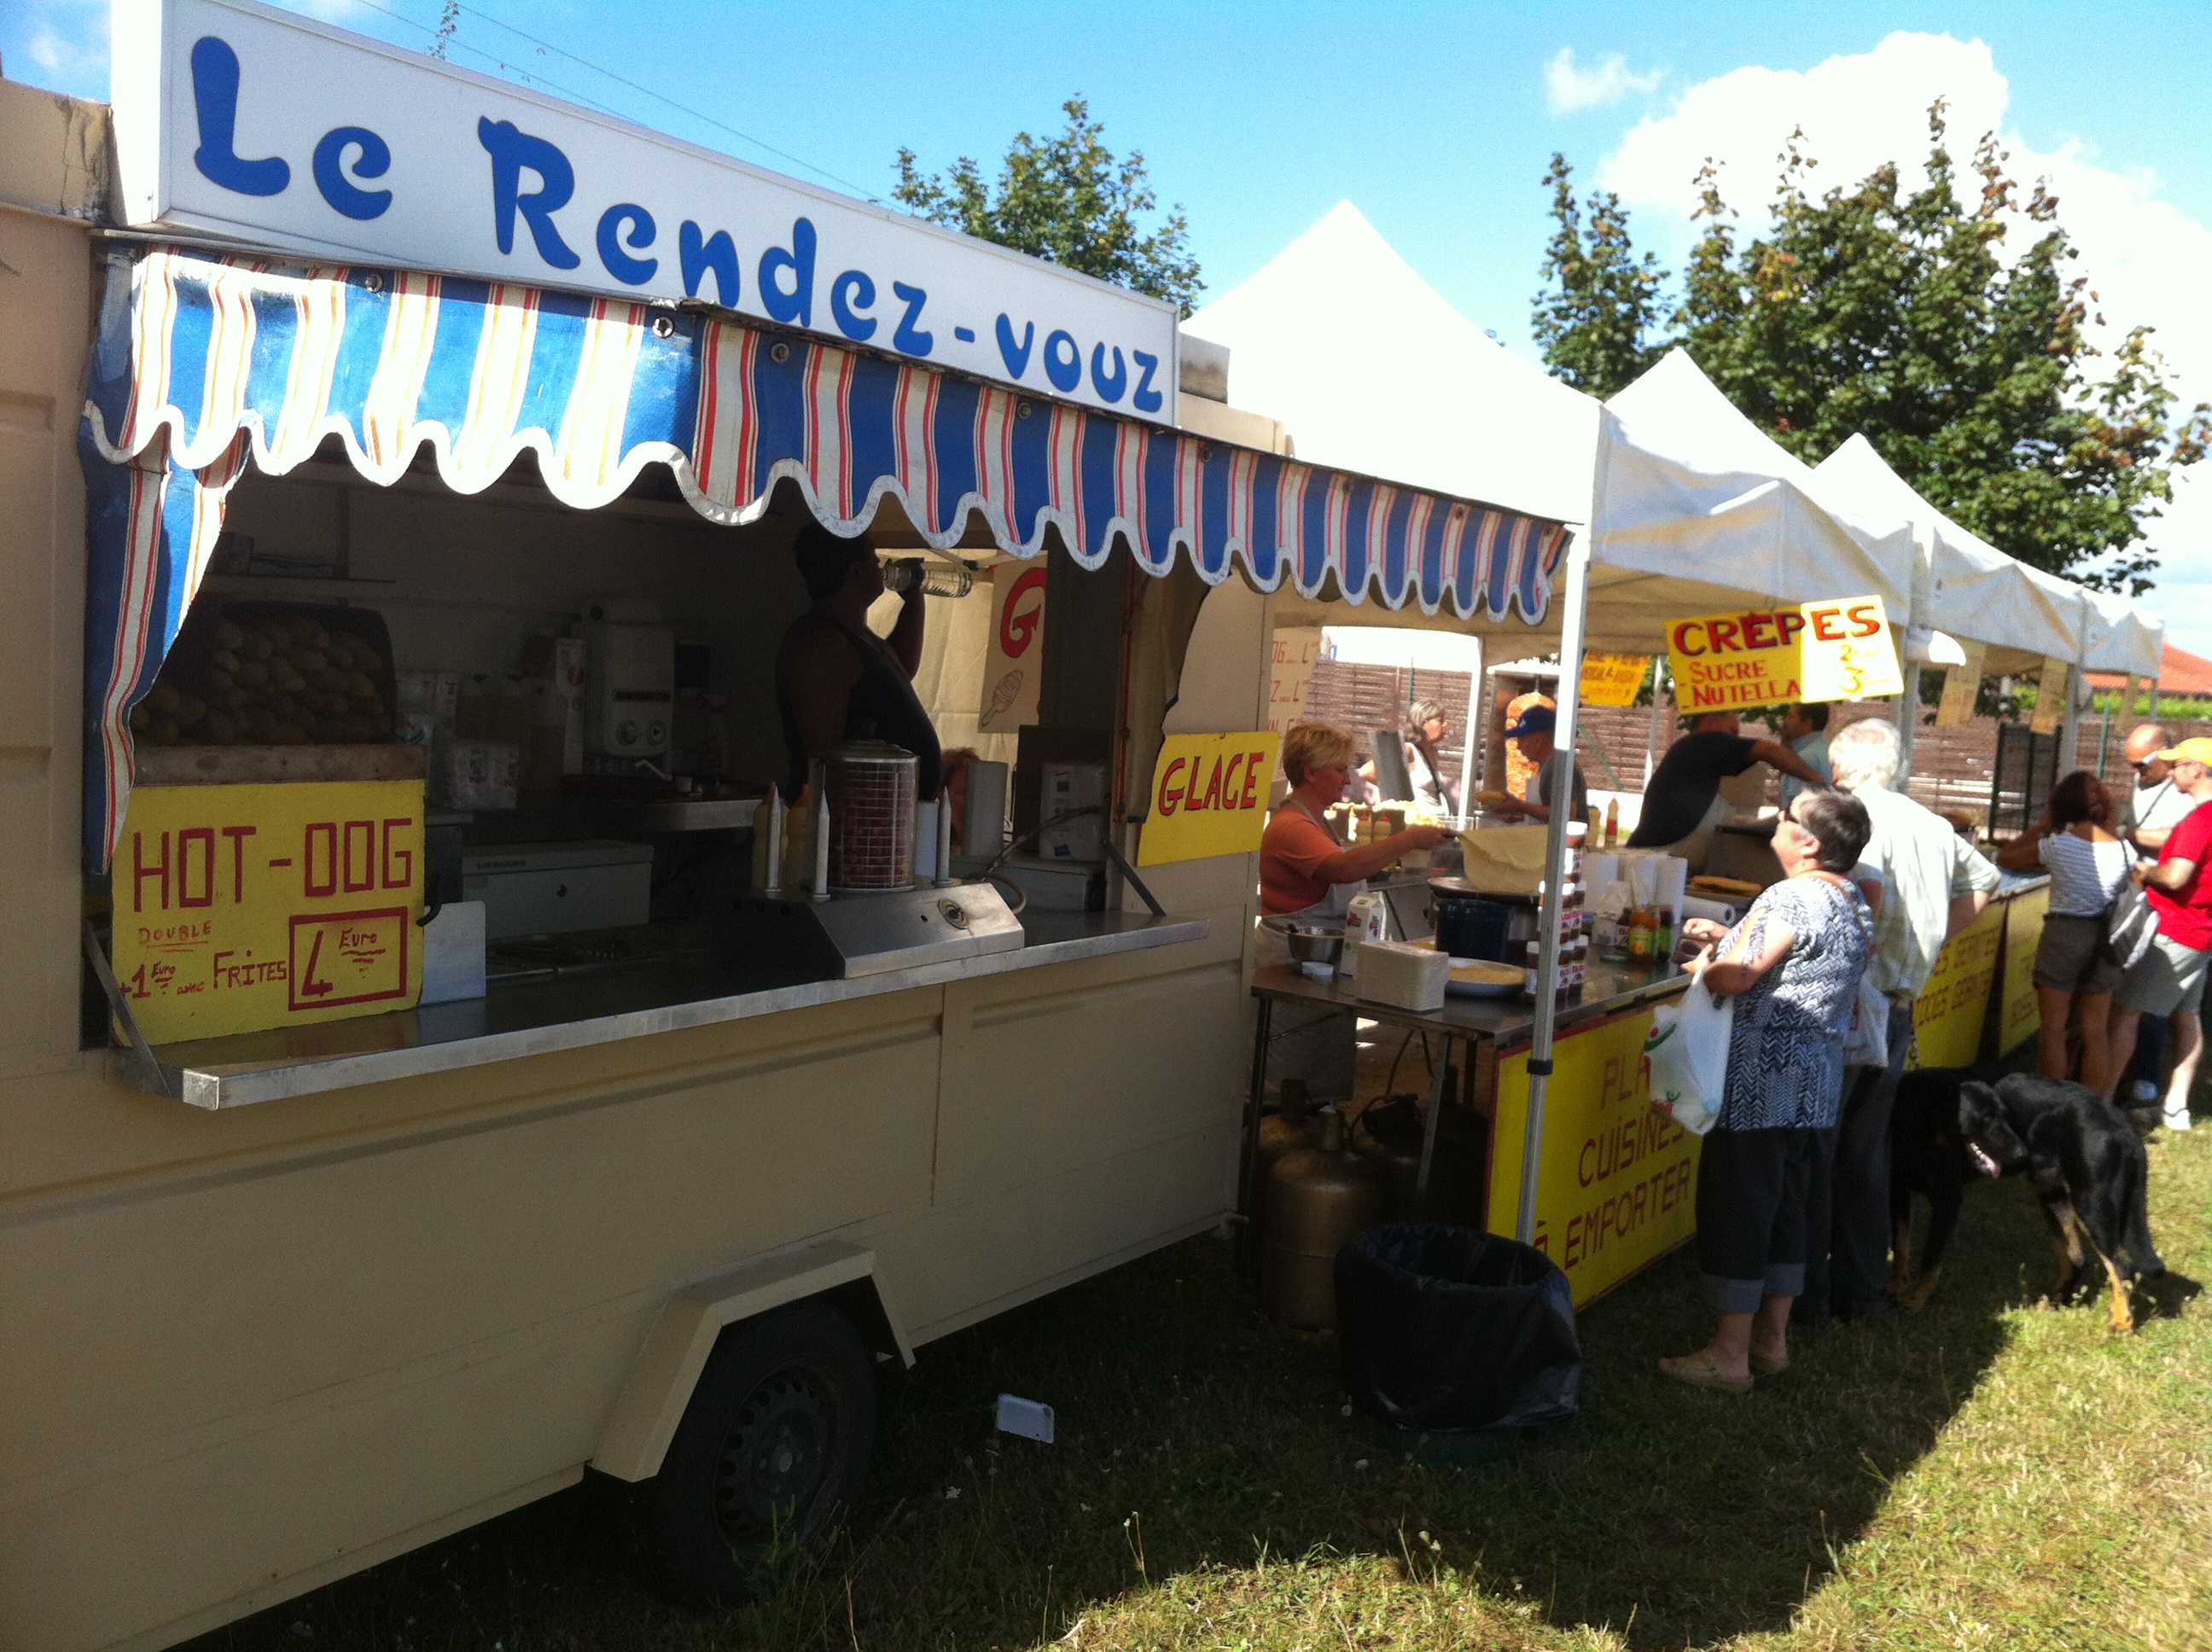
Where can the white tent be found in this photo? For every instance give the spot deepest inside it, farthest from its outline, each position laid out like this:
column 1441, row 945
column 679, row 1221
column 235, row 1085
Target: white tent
column 1371, row 369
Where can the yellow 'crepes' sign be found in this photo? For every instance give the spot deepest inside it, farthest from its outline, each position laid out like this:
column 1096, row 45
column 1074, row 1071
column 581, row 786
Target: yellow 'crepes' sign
column 239, row 907
column 1209, row 796
column 1836, row 650
column 1613, row 680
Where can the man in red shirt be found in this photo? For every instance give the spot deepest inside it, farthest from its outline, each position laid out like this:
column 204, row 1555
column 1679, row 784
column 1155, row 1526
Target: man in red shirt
column 2169, row 978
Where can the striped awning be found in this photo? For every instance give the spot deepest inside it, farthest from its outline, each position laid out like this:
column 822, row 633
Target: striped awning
column 204, row 363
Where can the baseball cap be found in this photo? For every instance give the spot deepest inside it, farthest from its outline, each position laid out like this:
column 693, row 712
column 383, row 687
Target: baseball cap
column 1542, row 719
column 2197, row 749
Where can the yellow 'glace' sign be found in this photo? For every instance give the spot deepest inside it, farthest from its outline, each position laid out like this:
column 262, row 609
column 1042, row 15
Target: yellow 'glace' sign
column 1209, row 796
column 244, row 907
column 1838, row 650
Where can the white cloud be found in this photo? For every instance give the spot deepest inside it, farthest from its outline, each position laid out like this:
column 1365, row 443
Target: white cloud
column 2144, row 258
column 1569, row 87
column 47, row 50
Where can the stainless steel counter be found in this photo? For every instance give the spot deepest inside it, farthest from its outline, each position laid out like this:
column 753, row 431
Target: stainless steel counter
column 543, row 1016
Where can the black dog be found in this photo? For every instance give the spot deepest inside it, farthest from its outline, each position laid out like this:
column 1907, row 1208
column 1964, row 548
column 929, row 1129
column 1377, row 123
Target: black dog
column 1927, row 1157
column 2088, row 1169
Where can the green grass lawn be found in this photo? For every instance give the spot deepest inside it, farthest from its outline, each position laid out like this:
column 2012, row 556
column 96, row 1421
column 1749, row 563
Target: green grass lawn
column 1987, row 1472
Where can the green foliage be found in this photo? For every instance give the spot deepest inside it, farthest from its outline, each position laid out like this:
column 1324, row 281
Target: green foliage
column 1068, row 198
column 1895, row 314
column 1595, row 323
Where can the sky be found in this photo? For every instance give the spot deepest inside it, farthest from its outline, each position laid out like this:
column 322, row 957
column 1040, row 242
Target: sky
column 1437, row 121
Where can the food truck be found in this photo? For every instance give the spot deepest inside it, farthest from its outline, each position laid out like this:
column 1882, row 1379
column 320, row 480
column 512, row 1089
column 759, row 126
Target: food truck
column 425, row 1086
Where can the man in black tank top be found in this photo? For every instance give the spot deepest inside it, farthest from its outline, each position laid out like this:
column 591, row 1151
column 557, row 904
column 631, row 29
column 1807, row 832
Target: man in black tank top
column 836, row 680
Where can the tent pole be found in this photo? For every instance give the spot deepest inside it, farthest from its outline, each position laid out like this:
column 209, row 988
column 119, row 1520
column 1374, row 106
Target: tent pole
column 1474, row 722
column 1659, row 694
column 1908, row 720
column 1572, row 629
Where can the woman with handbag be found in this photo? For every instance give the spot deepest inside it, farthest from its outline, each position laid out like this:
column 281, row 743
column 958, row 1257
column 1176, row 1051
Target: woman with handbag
column 2074, row 970
column 1793, row 963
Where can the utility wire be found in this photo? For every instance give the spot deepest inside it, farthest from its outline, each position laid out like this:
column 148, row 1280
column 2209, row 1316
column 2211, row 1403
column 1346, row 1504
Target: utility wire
column 860, row 190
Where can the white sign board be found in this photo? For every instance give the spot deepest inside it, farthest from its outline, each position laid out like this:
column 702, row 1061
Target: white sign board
column 239, row 120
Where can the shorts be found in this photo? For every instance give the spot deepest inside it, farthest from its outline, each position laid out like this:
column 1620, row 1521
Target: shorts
column 2168, row 977
column 2071, row 956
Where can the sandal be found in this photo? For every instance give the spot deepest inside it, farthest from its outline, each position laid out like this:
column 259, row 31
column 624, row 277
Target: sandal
column 1701, row 1370
column 1767, row 1365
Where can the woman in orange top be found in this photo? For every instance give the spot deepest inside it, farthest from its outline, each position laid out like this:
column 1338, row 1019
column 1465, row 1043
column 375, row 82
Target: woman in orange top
column 1305, row 872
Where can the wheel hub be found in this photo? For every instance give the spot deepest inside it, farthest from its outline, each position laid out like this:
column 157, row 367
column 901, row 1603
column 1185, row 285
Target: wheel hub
column 775, row 1461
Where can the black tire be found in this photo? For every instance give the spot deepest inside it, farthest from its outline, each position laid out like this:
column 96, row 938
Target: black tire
column 771, row 1452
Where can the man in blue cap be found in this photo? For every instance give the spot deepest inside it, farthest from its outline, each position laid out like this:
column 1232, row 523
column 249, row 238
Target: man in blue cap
column 1532, row 732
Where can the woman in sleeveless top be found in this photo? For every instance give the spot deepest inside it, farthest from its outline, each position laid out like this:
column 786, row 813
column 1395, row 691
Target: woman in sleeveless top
column 2074, row 974
column 1793, row 966
column 836, row 680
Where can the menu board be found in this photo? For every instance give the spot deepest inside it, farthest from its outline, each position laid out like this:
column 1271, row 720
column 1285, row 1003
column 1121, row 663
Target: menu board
column 239, row 907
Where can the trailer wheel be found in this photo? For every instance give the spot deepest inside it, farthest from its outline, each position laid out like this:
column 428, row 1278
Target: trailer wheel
column 771, row 1451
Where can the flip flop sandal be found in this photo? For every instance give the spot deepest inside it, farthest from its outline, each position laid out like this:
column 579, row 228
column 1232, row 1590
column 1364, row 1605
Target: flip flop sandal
column 1762, row 1366
column 1699, row 1371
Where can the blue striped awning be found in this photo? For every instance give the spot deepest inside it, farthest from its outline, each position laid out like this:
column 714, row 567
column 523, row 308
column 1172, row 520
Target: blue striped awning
column 202, row 363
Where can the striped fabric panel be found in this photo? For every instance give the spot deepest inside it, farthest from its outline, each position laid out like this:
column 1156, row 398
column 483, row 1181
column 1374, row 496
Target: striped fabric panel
column 204, row 363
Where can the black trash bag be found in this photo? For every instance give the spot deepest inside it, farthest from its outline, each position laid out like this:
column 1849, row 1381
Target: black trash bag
column 1448, row 1328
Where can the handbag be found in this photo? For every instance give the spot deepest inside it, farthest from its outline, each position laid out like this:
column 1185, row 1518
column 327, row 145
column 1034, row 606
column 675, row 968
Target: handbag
column 2131, row 922
column 1688, row 1049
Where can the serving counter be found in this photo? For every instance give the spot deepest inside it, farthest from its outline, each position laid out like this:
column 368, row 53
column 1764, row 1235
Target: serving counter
column 558, row 1011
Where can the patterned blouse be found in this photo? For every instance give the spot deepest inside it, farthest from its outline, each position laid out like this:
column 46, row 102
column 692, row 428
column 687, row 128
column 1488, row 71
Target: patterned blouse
column 1786, row 1047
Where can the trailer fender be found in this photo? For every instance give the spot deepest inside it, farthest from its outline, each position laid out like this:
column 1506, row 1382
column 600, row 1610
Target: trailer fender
column 667, row 1367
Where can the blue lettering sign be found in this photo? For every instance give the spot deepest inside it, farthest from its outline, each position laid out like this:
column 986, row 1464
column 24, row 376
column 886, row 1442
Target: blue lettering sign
column 512, row 150
column 1065, row 373
column 797, row 304
column 854, row 327
column 909, row 337
column 620, row 264
column 215, row 99
column 329, row 171
column 1146, row 400
column 1109, row 386
column 697, row 257
column 1017, row 357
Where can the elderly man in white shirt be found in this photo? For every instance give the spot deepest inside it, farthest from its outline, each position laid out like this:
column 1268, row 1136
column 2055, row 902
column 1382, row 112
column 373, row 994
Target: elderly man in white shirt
column 1933, row 885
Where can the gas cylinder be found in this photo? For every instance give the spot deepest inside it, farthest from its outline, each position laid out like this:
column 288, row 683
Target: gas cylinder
column 1388, row 1136
column 1286, row 1130
column 1318, row 1198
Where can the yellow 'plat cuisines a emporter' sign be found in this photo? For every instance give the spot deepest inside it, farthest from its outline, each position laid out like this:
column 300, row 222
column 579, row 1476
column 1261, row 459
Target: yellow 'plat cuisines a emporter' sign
column 1209, row 796
column 1835, row 650
column 243, row 907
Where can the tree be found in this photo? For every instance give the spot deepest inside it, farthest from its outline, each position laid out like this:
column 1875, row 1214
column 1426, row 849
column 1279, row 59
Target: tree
column 1068, row 199
column 1896, row 313
column 1595, row 327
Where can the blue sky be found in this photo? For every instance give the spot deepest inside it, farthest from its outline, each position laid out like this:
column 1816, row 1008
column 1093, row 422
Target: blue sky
column 1437, row 120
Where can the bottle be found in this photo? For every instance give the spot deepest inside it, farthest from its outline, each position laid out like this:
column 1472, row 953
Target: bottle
column 939, row 582
column 1641, row 930
column 1611, row 823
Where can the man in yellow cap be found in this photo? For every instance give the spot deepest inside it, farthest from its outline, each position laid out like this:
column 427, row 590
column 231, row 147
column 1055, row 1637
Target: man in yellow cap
column 2169, row 978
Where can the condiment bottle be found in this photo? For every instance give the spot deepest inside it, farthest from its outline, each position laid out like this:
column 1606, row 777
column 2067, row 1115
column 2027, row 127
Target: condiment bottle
column 1641, row 932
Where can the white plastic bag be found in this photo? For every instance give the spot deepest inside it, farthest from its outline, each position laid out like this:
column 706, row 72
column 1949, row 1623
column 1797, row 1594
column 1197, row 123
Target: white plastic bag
column 1866, row 1034
column 1688, row 1048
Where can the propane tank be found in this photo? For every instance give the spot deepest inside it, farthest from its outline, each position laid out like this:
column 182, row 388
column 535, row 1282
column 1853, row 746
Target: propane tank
column 1388, row 1136
column 1290, row 1127
column 1318, row 1198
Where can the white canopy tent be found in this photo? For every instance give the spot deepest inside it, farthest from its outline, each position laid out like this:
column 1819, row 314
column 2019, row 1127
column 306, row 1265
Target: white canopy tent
column 1691, row 508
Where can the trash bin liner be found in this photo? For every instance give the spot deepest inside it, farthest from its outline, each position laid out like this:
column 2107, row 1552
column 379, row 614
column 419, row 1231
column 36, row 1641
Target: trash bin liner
column 1443, row 1327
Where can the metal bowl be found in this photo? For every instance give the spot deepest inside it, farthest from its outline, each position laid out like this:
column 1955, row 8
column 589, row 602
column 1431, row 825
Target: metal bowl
column 1309, row 943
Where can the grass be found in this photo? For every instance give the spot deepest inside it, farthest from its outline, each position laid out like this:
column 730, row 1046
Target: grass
column 1988, row 1472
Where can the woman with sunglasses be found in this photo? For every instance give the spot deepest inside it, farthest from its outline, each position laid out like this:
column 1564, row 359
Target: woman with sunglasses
column 2075, row 974
column 1792, row 964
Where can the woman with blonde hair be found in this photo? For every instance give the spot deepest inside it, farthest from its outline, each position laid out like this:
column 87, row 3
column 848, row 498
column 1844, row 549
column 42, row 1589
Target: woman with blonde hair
column 1305, row 874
